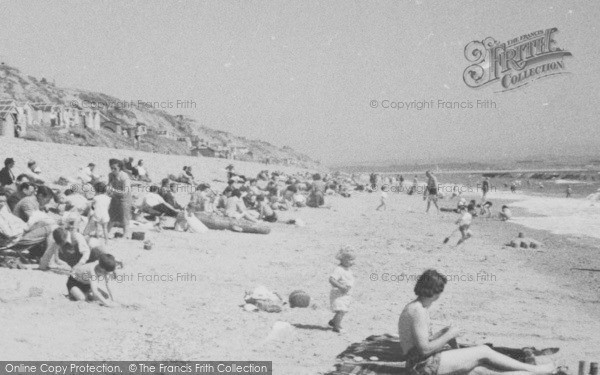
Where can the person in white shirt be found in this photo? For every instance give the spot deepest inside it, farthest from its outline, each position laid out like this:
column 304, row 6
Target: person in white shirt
column 154, row 203
column 142, row 173
column 87, row 175
column 463, row 225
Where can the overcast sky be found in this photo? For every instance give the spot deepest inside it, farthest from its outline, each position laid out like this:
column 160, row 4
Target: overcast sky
column 304, row 73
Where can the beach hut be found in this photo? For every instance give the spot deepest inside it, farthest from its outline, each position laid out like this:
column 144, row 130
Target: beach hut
column 8, row 119
column 47, row 114
column 23, row 117
column 204, row 151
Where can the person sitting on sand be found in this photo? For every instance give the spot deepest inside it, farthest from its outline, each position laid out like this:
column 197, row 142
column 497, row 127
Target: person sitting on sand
column 155, row 204
column 24, row 189
column 76, row 202
column 265, row 211
column 505, row 214
column 33, row 173
column 87, row 176
column 342, row 283
column 428, row 354
column 142, row 173
column 7, row 176
column 431, row 191
column 32, row 203
column 235, row 208
column 464, row 224
column 83, row 282
column 486, row 209
column 201, row 200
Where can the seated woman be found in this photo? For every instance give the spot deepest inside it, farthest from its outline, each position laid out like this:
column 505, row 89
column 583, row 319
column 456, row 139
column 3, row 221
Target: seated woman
column 428, row 354
column 235, row 208
column 201, row 200
column 155, row 204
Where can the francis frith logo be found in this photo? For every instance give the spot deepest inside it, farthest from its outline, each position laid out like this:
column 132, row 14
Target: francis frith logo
column 515, row 63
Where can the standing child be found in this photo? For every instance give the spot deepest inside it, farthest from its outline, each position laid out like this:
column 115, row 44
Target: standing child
column 569, row 191
column 101, row 203
column 342, row 282
column 463, row 225
column 486, row 209
column 384, row 196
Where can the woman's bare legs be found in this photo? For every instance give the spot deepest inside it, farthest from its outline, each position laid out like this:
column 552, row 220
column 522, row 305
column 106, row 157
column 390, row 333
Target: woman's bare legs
column 468, row 359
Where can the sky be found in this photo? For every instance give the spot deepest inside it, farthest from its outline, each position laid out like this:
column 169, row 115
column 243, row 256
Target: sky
column 308, row 74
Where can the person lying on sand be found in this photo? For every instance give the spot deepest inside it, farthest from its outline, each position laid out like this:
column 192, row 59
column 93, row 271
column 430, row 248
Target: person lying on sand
column 84, row 280
column 433, row 354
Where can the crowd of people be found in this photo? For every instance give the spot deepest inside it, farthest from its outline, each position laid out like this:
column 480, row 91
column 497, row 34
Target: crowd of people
column 68, row 229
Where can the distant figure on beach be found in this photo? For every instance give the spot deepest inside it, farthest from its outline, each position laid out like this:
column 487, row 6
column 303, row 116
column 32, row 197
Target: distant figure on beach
column 569, row 191
column 137, row 138
column 342, row 282
column 505, row 214
column 414, row 187
column 464, row 223
column 513, row 187
column 384, row 196
column 431, row 192
column 437, row 354
column 486, row 209
column 485, row 187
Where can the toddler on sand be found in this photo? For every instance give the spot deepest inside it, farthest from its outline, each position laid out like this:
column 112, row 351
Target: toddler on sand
column 342, row 282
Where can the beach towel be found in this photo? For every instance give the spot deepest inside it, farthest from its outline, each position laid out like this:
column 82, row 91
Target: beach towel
column 355, row 360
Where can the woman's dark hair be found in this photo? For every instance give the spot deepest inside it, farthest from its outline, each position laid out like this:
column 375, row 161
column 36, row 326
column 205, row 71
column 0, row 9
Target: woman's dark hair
column 316, row 176
column 44, row 191
column 430, row 283
column 236, row 193
column 154, row 189
column 107, row 262
column 100, row 187
column 118, row 163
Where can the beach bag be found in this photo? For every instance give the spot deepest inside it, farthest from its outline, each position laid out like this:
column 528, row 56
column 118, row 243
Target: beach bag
column 11, row 227
column 195, row 225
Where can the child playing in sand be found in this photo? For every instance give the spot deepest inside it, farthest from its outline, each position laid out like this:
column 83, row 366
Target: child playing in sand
column 384, row 196
column 463, row 225
column 342, row 282
column 505, row 214
column 100, row 217
column 83, row 282
column 486, row 209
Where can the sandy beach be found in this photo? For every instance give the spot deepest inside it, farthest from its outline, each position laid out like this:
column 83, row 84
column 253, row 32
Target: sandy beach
column 182, row 299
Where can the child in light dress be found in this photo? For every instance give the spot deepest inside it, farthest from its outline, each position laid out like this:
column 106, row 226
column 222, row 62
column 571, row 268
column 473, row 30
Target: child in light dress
column 100, row 216
column 342, row 282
